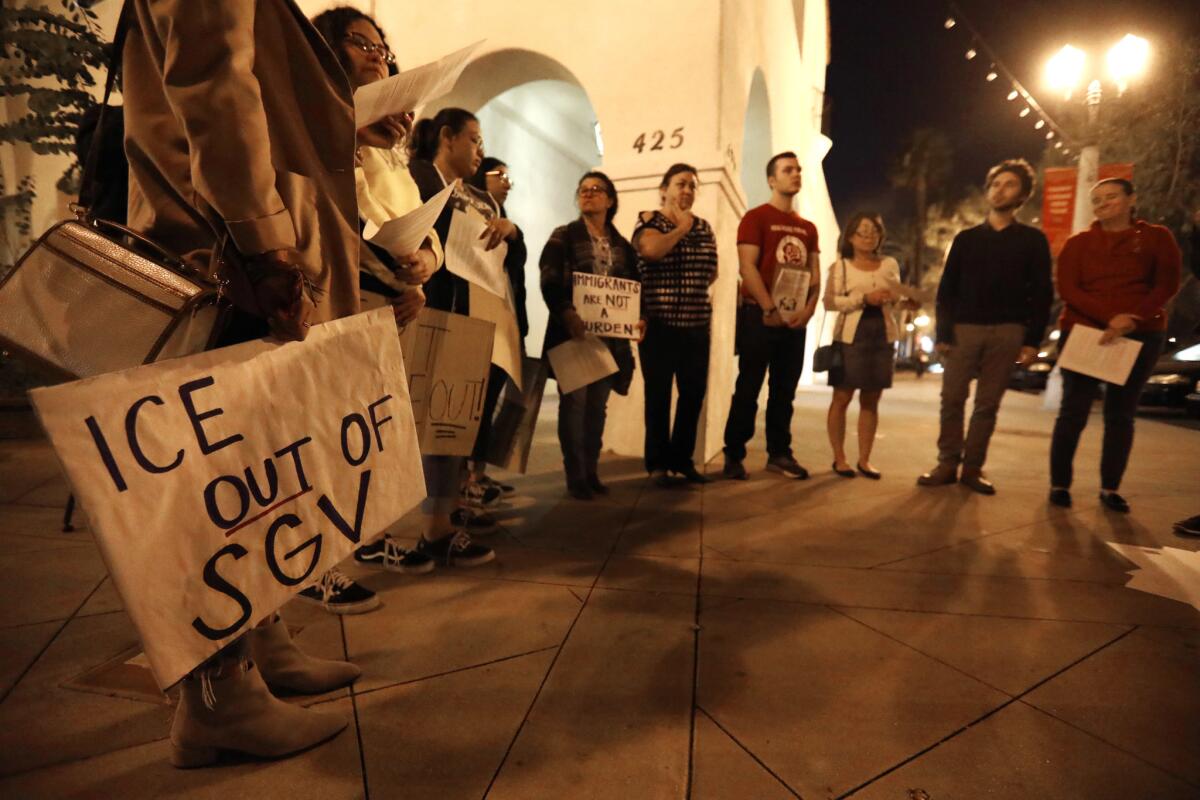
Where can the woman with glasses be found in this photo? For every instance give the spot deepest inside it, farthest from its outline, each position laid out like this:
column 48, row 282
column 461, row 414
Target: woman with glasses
column 589, row 244
column 859, row 289
column 678, row 263
column 1118, row 277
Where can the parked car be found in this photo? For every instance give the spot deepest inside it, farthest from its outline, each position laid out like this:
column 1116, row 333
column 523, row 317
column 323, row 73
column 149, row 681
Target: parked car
column 1033, row 376
column 1174, row 378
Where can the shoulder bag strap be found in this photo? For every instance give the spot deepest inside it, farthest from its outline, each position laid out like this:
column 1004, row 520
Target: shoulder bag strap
column 88, row 173
column 841, row 320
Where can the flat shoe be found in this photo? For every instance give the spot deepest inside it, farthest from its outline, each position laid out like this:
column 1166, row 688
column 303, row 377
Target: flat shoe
column 845, row 473
column 873, row 474
column 1060, row 498
column 1114, row 502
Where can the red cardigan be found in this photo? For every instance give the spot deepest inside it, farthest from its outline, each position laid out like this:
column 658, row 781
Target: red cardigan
column 1134, row 271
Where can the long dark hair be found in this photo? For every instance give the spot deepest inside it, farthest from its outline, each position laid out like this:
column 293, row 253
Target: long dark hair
column 426, row 134
column 845, row 248
column 610, row 189
column 333, row 24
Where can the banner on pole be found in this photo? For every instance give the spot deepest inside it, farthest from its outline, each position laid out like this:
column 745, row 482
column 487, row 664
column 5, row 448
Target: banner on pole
column 1058, row 206
column 448, row 357
column 221, row 484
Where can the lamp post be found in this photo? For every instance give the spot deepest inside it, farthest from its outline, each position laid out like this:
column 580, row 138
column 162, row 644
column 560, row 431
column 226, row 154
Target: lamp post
column 1065, row 71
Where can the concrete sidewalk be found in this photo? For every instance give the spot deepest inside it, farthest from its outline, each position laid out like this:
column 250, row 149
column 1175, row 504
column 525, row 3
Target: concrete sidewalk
column 825, row 638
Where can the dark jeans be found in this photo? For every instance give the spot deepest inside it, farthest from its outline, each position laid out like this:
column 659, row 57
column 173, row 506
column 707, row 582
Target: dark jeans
column 581, row 417
column 673, row 357
column 760, row 348
column 1120, row 404
column 496, row 380
column 987, row 354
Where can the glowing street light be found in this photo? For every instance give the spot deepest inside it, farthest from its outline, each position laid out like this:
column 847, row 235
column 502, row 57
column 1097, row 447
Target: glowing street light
column 1064, row 70
column 1127, row 59
column 921, row 321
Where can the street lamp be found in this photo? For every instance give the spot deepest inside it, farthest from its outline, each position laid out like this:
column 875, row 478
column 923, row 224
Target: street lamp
column 1065, row 72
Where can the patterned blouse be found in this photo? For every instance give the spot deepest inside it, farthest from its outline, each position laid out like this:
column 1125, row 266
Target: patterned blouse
column 675, row 288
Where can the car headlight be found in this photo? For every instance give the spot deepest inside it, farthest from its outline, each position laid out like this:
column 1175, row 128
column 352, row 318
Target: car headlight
column 1168, row 379
column 1040, row 366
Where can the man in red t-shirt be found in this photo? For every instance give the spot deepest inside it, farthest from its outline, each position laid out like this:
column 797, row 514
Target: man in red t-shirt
column 777, row 251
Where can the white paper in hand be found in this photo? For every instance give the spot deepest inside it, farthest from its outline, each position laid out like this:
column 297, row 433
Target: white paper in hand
column 790, row 293
column 581, row 362
column 403, row 236
column 411, row 89
column 1111, row 362
column 467, row 259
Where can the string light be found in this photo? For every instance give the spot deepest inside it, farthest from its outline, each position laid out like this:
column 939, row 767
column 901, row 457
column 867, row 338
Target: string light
column 1057, row 145
column 991, row 76
column 971, row 53
column 1024, row 112
column 1013, row 94
column 949, row 23
column 1049, row 135
column 1041, row 123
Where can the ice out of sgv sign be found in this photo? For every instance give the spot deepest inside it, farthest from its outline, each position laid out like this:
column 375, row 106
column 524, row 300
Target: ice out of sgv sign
column 220, row 484
column 608, row 306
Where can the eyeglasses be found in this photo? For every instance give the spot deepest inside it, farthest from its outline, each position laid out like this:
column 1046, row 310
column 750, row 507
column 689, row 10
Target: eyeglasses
column 367, row 46
column 590, row 190
column 500, row 176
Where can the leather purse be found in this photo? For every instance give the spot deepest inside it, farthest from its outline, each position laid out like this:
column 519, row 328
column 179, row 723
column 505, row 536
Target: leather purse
column 829, row 357
column 92, row 296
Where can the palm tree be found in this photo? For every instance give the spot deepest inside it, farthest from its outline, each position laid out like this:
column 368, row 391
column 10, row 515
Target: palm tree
column 923, row 169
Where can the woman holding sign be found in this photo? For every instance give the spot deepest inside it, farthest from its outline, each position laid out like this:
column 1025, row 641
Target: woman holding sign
column 860, row 289
column 678, row 264
column 589, row 245
column 1117, row 276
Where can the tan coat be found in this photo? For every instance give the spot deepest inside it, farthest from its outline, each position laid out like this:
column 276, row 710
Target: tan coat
column 239, row 109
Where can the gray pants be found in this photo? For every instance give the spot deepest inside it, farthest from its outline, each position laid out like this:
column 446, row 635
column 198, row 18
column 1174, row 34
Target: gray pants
column 985, row 353
column 581, row 416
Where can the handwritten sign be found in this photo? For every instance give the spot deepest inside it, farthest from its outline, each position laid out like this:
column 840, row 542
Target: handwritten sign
column 220, row 484
column 448, row 357
column 608, row 306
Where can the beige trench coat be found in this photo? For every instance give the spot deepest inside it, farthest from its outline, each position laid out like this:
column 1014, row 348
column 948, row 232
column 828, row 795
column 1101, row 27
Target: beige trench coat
column 239, row 117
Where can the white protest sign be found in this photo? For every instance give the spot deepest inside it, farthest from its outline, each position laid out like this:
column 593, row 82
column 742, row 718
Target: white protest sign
column 411, row 89
column 221, row 484
column 467, row 259
column 404, row 235
column 1110, row 362
column 608, row 306
column 581, row 362
column 448, row 358
column 790, row 293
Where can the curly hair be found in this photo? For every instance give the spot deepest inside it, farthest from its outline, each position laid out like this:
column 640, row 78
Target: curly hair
column 333, row 24
column 1016, row 166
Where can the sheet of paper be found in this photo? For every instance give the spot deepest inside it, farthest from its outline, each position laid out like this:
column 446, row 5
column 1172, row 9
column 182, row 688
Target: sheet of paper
column 1109, row 362
column 1167, row 572
column 608, row 306
column 581, row 362
column 403, row 236
column 466, row 258
column 791, row 292
column 411, row 89
column 218, row 485
column 506, row 346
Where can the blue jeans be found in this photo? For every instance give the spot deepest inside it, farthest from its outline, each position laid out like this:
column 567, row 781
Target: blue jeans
column 581, row 417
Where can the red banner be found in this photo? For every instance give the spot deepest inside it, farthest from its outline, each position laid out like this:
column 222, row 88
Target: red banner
column 1058, row 206
column 1115, row 171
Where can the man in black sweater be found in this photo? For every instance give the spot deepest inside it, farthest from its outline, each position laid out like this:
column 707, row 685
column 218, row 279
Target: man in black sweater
column 992, row 308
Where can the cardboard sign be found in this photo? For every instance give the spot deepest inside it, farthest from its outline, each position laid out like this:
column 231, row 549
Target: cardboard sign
column 220, row 484
column 513, row 428
column 448, row 357
column 608, row 306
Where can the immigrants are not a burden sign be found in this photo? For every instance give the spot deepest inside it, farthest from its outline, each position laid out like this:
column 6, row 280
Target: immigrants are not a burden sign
column 609, row 307
column 221, row 484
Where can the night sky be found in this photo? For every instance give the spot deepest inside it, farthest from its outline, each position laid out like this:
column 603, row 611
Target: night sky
column 895, row 68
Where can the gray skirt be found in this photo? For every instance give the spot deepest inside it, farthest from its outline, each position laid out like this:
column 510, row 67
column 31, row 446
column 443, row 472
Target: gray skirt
column 869, row 360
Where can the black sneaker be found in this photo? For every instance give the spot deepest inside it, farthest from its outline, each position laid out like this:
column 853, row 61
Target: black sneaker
column 1189, row 526
column 733, row 470
column 478, row 522
column 477, row 495
column 1060, row 498
column 1114, row 502
column 786, row 465
column 388, row 554
column 488, row 480
column 456, row 550
column 337, row 594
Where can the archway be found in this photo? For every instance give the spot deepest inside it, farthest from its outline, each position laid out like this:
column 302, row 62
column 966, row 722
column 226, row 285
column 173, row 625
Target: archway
column 756, row 142
column 537, row 118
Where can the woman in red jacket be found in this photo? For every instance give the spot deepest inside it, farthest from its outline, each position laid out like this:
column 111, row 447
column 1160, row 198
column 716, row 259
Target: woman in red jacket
column 1117, row 276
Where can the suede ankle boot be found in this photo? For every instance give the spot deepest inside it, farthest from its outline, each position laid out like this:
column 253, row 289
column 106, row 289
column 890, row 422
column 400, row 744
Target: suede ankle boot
column 230, row 709
column 286, row 669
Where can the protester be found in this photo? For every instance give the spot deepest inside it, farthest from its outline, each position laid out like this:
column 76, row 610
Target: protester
column 992, row 307
column 385, row 191
column 860, row 288
column 678, row 262
column 1117, row 276
column 771, row 237
column 492, row 177
column 448, row 148
column 236, row 126
column 593, row 245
